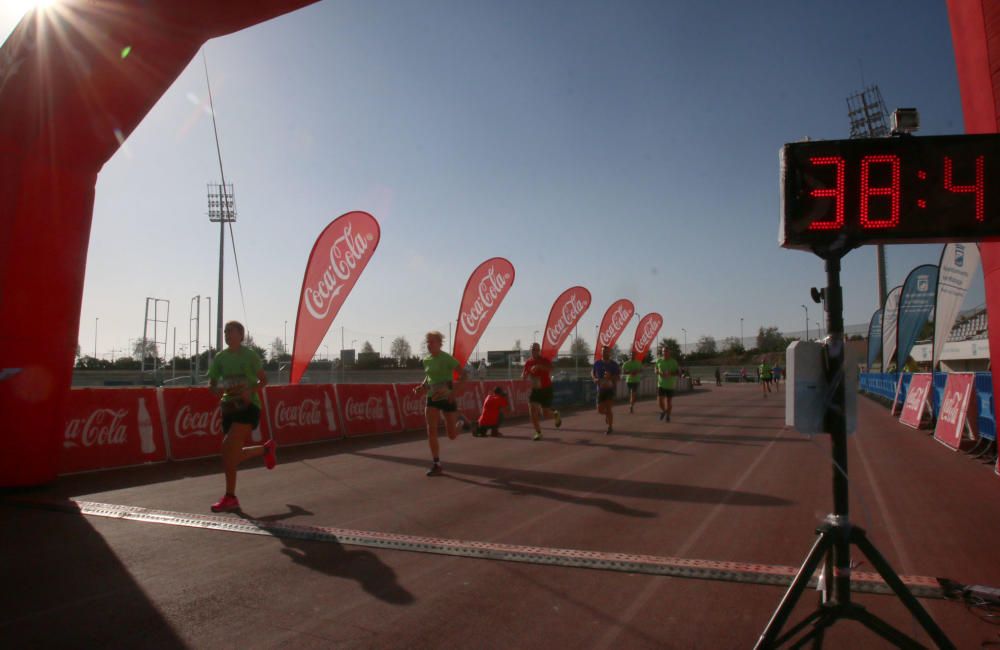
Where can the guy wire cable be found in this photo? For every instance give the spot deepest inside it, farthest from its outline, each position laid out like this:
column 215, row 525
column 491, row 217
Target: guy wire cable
column 225, row 202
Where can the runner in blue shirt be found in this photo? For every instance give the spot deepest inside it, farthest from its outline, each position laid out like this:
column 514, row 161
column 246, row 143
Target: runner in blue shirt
column 605, row 374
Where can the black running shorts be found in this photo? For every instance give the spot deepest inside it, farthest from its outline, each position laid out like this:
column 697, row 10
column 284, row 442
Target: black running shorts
column 541, row 396
column 249, row 414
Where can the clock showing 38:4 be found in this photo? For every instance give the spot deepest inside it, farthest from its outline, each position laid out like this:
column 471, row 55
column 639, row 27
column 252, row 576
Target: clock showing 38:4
column 839, row 194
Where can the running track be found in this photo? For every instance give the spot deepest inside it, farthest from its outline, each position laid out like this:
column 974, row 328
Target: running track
column 722, row 491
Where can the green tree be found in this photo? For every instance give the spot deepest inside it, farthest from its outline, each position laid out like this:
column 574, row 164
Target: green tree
column 400, row 350
column 732, row 345
column 769, row 339
column 367, row 348
column 675, row 347
column 707, row 346
column 580, row 348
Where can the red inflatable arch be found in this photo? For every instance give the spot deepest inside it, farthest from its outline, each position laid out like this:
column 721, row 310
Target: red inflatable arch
column 66, row 97
column 975, row 25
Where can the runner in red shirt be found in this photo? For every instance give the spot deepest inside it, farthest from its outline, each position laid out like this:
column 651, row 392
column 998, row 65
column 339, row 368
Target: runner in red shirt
column 492, row 417
column 538, row 370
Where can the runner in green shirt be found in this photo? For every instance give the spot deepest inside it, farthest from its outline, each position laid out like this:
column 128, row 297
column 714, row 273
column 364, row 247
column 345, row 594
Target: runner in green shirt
column 242, row 377
column 667, row 371
column 632, row 369
column 765, row 377
column 439, row 374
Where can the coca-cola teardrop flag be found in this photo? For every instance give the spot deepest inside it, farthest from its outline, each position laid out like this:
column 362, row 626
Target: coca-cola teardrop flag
column 613, row 324
column 566, row 312
column 487, row 287
column 649, row 326
column 338, row 257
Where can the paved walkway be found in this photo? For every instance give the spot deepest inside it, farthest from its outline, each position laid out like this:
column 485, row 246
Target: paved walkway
column 723, row 487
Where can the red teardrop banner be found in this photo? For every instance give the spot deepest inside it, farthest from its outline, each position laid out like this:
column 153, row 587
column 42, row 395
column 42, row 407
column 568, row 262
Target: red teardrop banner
column 566, row 312
column 338, row 257
column 613, row 324
column 645, row 333
column 487, row 287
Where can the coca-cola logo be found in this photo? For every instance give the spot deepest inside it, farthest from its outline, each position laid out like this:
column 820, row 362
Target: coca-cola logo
column 102, row 427
column 303, row 414
column 190, row 422
column 648, row 333
column 916, row 398
column 491, row 289
column 412, row 405
column 571, row 311
column 467, row 400
column 345, row 254
column 619, row 319
column 367, row 409
column 950, row 408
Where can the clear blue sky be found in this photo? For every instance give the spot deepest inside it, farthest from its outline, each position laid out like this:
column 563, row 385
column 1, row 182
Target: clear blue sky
column 630, row 147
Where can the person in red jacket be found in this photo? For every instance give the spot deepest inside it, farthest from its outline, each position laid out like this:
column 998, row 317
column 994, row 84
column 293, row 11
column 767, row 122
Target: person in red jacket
column 492, row 417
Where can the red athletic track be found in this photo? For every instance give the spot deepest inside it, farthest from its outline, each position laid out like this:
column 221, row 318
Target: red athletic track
column 724, row 482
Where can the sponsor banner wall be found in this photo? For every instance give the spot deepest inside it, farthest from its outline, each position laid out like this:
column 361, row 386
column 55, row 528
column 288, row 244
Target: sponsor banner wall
column 340, row 254
column 874, row 338
column 520, row 391
column 369, row 408
column 958, row 266
column 111, row 428
column 485, row 290
column 916, row 400
column 565, row 313
column 194, row 422
column 411, row 406
column 616, row 318
column 302, row 413
column 916, row 303
column 890, row 314
column 954, row 409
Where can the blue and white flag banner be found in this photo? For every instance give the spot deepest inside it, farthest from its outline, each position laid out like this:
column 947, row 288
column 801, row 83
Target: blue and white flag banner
column 959, row 263
column 890, row 312
column 874, row 338
column 915, row 306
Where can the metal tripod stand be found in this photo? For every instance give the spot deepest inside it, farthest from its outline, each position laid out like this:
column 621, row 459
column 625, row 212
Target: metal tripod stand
column 836, row 535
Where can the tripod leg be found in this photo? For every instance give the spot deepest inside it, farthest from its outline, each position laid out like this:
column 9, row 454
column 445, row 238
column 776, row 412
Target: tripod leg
column 798, row 627
column 884, row 630
column 815, row 635
column 891, row 579
column 780, row 616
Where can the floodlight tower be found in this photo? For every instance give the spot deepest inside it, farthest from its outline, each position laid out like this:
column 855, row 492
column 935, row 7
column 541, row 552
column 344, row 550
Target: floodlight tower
column 868, row 115
column 221, row 209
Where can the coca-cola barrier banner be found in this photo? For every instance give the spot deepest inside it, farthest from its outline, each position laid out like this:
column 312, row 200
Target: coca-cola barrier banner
column 369, row 408
column 194, row 422
column 411, row 405
column 916, row 399
column 645, row 333
column 566, row 312
column 613, row 324
column 338, row 257
column 111, row 427
column 954, row 409
column 520, row 391
column 487, row 287
column 303, row 413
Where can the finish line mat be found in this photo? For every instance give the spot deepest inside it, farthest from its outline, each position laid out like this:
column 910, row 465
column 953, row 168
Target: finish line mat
column 765, row 574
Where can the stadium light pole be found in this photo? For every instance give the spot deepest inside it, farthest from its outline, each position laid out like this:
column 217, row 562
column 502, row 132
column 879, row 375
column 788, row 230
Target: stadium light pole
column 95, row 337
column 741, row 333
column 285, row 341
column 380, row 346
column 807, row 320
column 534, row 337
column 685, row 339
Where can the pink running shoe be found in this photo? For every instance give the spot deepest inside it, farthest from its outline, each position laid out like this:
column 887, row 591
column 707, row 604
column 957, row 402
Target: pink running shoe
column 270, row 457
column 226, row 504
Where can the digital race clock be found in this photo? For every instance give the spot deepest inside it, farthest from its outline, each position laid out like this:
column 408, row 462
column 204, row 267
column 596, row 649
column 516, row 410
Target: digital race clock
column 838, row 194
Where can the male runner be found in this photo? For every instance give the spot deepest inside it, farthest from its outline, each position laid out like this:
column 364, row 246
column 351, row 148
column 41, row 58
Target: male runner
column 765, row 377
column 666, row 381
column 538, row 370
column 605, row 374
column 632, row 369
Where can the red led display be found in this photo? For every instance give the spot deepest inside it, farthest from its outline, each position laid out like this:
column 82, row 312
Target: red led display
column 839, row 194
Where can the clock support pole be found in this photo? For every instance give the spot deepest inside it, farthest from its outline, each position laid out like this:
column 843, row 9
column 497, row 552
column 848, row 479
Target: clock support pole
column 832, row 548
